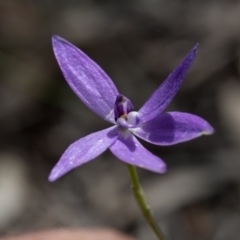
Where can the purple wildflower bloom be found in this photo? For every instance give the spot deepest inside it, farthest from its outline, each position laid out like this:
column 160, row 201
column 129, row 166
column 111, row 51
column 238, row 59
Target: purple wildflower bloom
column 92, row 85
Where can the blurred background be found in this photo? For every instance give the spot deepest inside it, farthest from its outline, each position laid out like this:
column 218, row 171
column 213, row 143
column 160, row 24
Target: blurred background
column 138, row 43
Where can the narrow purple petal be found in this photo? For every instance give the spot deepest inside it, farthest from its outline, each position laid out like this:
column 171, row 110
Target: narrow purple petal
column 160, row 99
column 129, row 150
column 84, row 150
column 90, row 83
column 172, row 128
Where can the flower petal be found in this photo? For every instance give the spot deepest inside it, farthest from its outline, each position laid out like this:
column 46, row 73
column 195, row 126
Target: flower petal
column 90, row 83
column 172, row 128
column 84, row 150
column 129, row 150
column 167, row 90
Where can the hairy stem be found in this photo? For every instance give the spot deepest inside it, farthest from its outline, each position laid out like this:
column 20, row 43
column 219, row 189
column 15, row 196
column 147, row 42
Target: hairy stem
column 140, row 198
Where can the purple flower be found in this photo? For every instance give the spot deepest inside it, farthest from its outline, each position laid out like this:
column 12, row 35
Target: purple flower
column 92, row 85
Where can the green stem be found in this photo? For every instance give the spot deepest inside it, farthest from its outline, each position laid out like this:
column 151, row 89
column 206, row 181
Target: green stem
column 140, row 198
